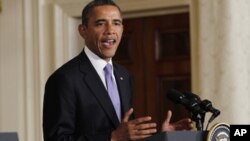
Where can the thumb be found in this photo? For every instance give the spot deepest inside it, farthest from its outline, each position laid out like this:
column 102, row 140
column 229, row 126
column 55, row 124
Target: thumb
column 168, row 118
column 166, row 126
column 127, row 115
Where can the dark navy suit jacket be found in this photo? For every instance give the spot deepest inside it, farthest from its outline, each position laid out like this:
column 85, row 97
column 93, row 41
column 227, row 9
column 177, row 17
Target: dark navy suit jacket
column 77, row 106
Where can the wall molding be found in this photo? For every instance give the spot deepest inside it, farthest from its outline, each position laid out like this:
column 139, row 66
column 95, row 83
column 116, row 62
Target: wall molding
column 130, row 8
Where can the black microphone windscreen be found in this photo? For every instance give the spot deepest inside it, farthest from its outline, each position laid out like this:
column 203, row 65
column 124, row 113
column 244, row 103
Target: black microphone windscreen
column 180, row 98
column 192, row 96
column 174, row 95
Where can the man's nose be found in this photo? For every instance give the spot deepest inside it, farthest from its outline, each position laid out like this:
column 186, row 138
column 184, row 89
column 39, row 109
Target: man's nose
column 109, row 29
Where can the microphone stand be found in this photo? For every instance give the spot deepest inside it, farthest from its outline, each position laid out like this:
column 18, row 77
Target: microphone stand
column 203, row 120
column 199, row 119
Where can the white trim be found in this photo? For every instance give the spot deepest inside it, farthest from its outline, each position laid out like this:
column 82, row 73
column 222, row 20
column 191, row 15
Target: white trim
column 194, row 26
column 73, row 8
column 31, row 114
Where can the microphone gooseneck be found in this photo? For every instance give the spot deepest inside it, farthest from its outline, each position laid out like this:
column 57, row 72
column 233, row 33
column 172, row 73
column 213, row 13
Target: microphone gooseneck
column 207, row 105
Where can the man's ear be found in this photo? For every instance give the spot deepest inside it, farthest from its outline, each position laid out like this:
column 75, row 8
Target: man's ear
column 82, row 30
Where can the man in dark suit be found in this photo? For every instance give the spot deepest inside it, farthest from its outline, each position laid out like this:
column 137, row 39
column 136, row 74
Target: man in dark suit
column 77, row 104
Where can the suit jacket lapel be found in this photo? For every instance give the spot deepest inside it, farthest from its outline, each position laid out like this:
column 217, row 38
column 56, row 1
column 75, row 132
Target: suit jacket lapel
column 94, row 82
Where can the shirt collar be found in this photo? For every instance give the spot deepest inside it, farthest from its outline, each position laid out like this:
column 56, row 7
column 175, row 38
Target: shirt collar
column 97, row 62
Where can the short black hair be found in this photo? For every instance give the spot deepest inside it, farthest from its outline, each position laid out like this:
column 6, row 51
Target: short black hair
column 91, row 5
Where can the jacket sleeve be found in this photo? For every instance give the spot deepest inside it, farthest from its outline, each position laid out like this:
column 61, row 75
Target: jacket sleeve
column 59, row 109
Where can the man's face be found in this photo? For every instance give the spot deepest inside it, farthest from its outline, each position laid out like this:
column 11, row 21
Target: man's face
column 104, row 31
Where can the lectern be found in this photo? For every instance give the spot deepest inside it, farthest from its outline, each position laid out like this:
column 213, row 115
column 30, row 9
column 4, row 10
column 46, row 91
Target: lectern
column 179, row 136
column 8, row 136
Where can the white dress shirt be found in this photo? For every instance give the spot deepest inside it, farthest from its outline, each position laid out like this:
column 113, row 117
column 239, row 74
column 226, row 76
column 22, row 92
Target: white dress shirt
column 98, row 64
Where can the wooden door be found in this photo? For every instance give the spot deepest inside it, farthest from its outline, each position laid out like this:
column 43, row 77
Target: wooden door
column 156, row 50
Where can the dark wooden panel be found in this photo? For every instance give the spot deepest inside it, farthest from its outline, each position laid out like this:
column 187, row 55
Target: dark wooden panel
column 179, row 82
column 124, row 52
column 170, row 68
column 156, row 50
column 168, row 61
column 172, row 45
column 131, row 55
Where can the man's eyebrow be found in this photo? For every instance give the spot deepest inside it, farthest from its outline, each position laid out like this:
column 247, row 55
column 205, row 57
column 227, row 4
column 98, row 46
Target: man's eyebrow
column 103, row 20
column 100, row 20
column 117, row 20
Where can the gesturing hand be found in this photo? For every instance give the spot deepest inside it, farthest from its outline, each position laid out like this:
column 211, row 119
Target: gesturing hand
column 134, row 129
column 184, row 124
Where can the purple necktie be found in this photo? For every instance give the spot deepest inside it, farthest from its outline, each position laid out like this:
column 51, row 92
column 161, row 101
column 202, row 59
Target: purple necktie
column 112, row 90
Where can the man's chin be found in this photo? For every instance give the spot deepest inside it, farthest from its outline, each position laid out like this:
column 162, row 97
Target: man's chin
column 107, row 57
column 108, row 54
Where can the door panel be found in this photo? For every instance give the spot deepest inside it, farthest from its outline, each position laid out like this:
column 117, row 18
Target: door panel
column 156, row 50
column 130, row 55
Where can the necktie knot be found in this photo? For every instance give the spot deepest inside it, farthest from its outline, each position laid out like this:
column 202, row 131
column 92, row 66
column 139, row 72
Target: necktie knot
column 108, row 69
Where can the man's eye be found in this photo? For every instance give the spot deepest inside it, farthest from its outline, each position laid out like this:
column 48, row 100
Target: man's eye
column 118, row 23
column 99, row 24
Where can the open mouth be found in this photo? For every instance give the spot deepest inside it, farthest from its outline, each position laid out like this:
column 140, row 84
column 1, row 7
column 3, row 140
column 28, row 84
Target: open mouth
column 108, row 42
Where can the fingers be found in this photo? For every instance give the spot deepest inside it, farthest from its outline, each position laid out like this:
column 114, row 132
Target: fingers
column 141, row 124
column 141, row 120
column 142, row 127
column 143, row 130
column 138, row 128
column 186, row 120
column 145, row 126
column 168, row 118
column 135, row 121
column 127, row 115
column 184, row 124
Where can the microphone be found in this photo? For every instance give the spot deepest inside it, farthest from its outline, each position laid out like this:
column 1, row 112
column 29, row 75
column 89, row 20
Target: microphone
column 193, row 97
column 195, row 105
column 207, row 105
column 179, row 98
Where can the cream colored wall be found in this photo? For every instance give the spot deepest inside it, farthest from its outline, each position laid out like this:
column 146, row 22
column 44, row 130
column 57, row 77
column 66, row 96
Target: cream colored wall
column 36, row 37
column 11, row 65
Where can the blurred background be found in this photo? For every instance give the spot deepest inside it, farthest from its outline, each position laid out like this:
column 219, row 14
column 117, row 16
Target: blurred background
column 190, row 45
